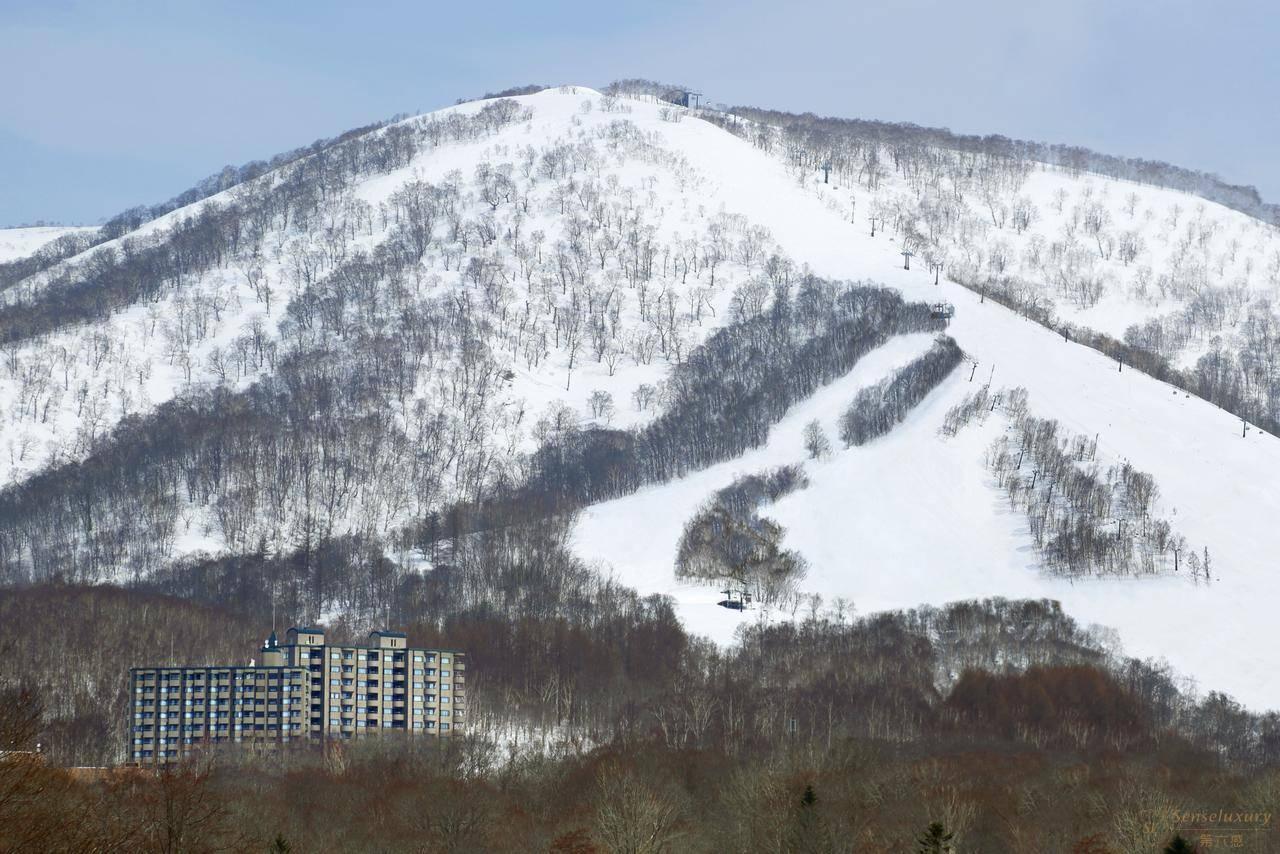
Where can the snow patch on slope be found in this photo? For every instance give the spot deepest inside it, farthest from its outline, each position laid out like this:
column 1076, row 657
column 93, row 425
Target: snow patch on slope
column 18, row 243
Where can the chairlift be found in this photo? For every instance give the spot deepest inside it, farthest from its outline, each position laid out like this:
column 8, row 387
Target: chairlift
column 735, row 600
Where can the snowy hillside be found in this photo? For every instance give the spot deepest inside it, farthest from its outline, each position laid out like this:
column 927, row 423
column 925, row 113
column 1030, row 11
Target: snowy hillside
column 1093, row 251
column 539, row 262
column 359, row 341
column 914, row 517
column 18, row 243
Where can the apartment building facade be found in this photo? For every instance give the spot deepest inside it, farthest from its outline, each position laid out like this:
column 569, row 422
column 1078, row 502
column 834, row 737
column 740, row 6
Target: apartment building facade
column 302, row 690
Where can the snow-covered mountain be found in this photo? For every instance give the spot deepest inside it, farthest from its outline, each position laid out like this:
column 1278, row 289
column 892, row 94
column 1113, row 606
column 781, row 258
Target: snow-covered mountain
column 357, row 341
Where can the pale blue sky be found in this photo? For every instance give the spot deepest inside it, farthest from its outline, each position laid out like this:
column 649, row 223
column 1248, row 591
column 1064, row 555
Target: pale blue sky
column 104, row 105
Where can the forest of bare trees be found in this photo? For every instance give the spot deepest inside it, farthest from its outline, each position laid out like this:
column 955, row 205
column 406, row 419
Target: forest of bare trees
column 728, row 542
column 879, row 408
column 891, row 722
column 960, row 202
column 1084, row 518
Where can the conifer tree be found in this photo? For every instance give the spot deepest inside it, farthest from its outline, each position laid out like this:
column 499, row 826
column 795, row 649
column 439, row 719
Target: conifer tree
column 935, row 840
column 808, row 833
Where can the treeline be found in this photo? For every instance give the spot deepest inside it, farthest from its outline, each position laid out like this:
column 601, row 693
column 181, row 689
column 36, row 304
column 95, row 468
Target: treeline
column 651, row 90
column 728, row 541
column 72, row 646
column 1084, row 520
column 878, row 408
column 1244, row 380
column 509, row 92
column 53, row 252
column 232, row 176
column 723, row 399
column 142, row 267
column 560, row 644
column 855, row 141
column 564, row 661
column 129, row 220
column 860, row 713
column 1241, row 376
column 562, row 656
column 400, row 796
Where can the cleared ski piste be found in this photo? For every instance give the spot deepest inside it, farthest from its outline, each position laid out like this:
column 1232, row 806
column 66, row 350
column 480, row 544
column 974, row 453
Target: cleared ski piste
column 912, row 518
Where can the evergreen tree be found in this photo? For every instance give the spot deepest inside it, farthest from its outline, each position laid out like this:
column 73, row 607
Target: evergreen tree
column 808, row 832
column 935, row 840
column 281, row 845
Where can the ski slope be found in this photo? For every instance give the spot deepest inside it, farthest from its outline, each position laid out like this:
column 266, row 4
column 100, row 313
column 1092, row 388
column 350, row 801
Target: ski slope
column 907, row 519
column 1109, row 254
column 911, row 518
